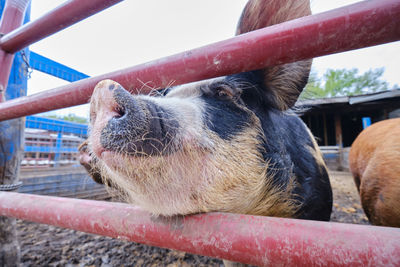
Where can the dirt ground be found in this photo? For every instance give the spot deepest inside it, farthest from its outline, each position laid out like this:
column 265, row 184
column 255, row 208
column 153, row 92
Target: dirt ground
column 346, row 200
column 43, row 245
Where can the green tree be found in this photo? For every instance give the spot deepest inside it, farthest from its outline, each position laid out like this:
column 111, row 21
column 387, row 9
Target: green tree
column 343, row 82
column 69, row 117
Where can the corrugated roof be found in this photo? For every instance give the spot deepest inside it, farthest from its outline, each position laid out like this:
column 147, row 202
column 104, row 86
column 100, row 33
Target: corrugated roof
column 350, row 99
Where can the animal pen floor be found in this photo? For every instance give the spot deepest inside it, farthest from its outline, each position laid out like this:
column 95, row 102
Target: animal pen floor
column 43, row 245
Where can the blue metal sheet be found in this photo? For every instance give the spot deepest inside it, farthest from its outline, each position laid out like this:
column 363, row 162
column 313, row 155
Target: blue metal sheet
column 331, row 155
column 48, row 149
column 2, row 3
column 55, row 125
column 366, row 121
column 46, row 65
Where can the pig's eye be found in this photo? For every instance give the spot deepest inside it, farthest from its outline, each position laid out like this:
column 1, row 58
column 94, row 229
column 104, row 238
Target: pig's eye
column 160, row 92
column 163, row 92
column 222, row 90
column 166, row 91
column 224, row 93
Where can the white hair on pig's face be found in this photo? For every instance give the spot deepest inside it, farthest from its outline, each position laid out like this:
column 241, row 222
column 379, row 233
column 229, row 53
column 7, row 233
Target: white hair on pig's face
column 203, row 170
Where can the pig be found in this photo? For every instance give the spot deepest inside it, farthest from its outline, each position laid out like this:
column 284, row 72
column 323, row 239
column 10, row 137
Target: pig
column 228, row 144
column 374, row 160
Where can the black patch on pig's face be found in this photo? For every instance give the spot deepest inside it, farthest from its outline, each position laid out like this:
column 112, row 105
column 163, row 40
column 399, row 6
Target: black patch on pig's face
column 224, row 110
column 224, row 117
column 141, row 129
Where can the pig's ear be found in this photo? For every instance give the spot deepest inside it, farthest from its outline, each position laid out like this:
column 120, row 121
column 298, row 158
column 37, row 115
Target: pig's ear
column 281, row 85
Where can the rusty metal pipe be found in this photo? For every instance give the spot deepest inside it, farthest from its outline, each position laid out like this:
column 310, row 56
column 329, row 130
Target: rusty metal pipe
column 56, row 20
column 248, row 239
column 12, row 18
column 360, row 25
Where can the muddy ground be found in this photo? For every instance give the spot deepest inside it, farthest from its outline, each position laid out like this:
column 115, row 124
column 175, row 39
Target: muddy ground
column 43, row 245
column 346, row 200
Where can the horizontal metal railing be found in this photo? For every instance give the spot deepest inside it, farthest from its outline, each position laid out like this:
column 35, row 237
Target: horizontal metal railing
column 54, row 21
column 360, row 25
column 241, row 238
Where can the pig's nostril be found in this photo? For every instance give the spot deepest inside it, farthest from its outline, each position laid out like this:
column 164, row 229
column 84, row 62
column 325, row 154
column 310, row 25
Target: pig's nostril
column 120, row 112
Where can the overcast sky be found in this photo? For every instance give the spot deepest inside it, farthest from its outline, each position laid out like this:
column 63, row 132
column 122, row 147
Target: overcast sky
column 134, row 32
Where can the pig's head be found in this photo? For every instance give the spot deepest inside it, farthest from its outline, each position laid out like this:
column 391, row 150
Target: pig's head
column 202, row 146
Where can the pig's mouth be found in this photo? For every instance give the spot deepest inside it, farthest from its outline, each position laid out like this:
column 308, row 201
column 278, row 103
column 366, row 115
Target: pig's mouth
column 137, row 142
column 151, row 152
column 120, row 152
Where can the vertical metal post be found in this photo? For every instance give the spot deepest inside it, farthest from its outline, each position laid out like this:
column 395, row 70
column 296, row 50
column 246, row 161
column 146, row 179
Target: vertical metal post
column 13, row 84
column 12, row 18
column 339, row 139
column 325, row 130
column 58, row 149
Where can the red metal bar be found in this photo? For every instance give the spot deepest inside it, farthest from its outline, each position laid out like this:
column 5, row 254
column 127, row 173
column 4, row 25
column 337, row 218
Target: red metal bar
column 12, row 18
column 241, row 238
column 360, row 25
column 58, row 19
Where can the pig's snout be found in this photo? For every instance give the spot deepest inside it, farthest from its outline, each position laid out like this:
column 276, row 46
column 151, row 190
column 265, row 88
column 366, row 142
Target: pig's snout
column 128, row 124
column 110, row 101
